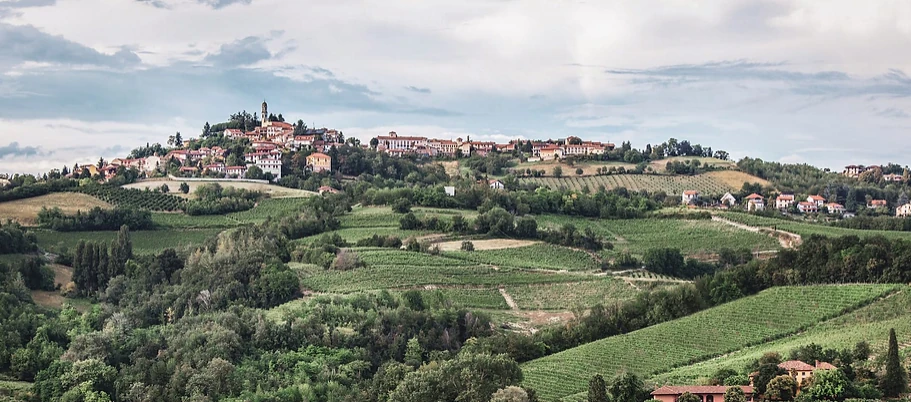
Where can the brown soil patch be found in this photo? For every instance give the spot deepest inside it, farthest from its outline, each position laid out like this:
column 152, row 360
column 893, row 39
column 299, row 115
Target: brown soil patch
column 62, row 274
column 452, row 168
column 48, row 298
column 25, row 211
column 492, row 244
column 588, row 168
column 542, row 318
column 735, row 179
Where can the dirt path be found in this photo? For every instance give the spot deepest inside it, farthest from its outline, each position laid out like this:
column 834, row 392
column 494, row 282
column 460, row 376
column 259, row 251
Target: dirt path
column 786, row 239
column 509, row 301
column 492, row 244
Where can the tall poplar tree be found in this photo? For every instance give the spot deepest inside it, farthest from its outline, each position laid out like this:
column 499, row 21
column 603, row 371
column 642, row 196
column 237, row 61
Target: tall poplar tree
column 893, row 382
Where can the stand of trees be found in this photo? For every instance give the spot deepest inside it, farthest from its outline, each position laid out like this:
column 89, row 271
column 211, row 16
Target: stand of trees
column 14, row 239
column 95, row 219
column 213, row 199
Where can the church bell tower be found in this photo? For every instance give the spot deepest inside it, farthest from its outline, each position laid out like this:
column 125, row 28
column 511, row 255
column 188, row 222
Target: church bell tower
column 265, row 115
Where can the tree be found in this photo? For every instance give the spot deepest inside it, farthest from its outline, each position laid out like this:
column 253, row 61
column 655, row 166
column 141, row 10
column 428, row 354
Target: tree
column 893, row 381
column 579, row 171
column 597, row 389
column 100, row 163
column 781, row 388
column 374, row 143
column 557, row 171
column 861, row 351
column 206, row 130
column 254, row 172
column 688, row 397
column 829, row 385
column 734, row 394
column 164, row 188
column 121, row 252
column 510, row 394
column 467, row 245
column 768, row 369
column 627, row 387
column 178, row 140
column 401, row 206
column 414, row 353
column 184, row 188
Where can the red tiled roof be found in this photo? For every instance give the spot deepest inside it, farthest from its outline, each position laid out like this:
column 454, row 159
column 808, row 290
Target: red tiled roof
column 785, row 197
column 816, row 198
column 697, row 389
column 834, row 205
column 878, row 202
column 319, row 155
column 796, row 365
column 824, row 366
column 754, row 195
column 690, row 192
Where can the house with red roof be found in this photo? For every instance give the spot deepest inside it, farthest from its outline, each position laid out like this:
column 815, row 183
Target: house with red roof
column 784, row 201
column 689, row 197
column 319, row 162
column 835, row 208
column 707, row 393
column 806, row 207
column 817, row 199
column 755, row 202
column 878, row 204
column 327, row 189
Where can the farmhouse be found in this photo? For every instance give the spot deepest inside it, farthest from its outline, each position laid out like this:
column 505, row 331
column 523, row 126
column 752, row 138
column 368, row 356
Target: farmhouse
column 707, row 393
column 238, row 171
column 551, row 152
column 728, row 199
column 689, row 197
column 835, row 209
column 903, row 211
column 319, row 162
column 877, row 204
column 892, row 177
column 854, row 170
column 393, row 141
column 801, row 371
column 755, row 202
column 327, row 189
column 784, row 201
column 496, row 184
column 807, row 207
column 816, row 199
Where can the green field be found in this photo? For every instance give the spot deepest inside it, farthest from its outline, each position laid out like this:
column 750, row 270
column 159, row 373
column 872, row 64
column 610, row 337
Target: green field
column 537, row 256
column 483, row 298
column 650, row 182
column 569, row 295
column 771, row 314
column 870, row 323
column 690, row 236
column 272, row 207
column 807, row 229
column 144, row 241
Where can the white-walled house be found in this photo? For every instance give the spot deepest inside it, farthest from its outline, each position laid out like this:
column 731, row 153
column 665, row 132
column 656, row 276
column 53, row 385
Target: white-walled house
column 784, row 201
column 816, row 199
column 835, row 208
column 728, row 199
column 271, row 165
column 689, row 197
column 450, row 190
column 903, row 211
column 807, row 207
column 496, row 184
column 755, row 202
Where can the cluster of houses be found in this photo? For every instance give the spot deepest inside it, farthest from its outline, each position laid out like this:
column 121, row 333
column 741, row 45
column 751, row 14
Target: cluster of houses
column 394, row 144
column 784, row 202
column 268, row 141
column 854, row 171
column 801, row 373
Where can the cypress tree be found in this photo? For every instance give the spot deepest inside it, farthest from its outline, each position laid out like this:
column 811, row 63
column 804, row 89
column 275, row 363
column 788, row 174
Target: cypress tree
column 79, row 268
column 597, row 389
column 893, row 382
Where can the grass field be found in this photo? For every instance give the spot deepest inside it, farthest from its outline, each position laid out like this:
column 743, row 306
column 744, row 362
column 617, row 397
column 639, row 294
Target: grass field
column 806, row 229
column 144, row 241
column 25, row 211
column 569, row 295
column 272, row 190
column 772, row 314
column 870, row 323
column 482, row 298
column 271, row 207
column 707, row 185
column 692, row 237
column 537, row 256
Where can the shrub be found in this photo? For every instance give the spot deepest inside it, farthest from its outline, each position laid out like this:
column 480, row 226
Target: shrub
column 401, row 206
column 467, row 246
column 346, row 260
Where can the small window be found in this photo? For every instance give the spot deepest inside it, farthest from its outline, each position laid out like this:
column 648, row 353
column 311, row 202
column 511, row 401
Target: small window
column 710, row 398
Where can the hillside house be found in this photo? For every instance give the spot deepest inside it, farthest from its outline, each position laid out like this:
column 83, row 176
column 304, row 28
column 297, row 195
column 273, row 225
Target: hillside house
column 394, row 141
column 878, row 204
column 450, row 190
column 903, row 211
column 151, row 163
column 496, row 184
column 816, row 199
column 551, row 152
column 806, row 207
column 835, row 208
column 854, row 170
column 271, row 165
column 708, row 393
column 893, row 177
column 239, row 171
column 233, row 133
column 214, row 167
column 319, row 162
column 327, row 189
column 755, row 202
column 689, row 197
column 728, row 199
column 784, row 201
column 801, row 371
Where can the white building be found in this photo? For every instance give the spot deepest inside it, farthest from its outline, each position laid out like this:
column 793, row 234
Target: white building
column 689, row 197
column 450, row 190
column 271, row 165
column 755, row 202
column 496, row 184
column 784, row 201
column 903, row 211
column 728, row 199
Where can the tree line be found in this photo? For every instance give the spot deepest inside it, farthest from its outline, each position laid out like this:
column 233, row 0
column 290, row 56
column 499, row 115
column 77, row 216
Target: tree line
column 95, row 219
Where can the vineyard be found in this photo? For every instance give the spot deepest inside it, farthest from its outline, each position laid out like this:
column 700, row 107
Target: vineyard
column 569, row 295
column 705, row 184
column 807, row 229
column 144, row 242
column 133, row 198
column 771, row 314
column 692, row 237
column 870, row 323
column 484, row 298
column 538, row 256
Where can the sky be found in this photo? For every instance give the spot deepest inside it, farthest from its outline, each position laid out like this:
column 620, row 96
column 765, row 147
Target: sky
column 801, row 81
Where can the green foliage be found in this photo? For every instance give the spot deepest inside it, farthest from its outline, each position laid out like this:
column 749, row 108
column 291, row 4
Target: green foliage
column 829, row 385
column 133, row 198
column 95, row 219
column 597, row 389
column 688, row 397
column 781, row 388
column 734, row 394
column 627, row 387
column 510, row 394
column 14, row 239
column 467, row 245
column 895, row 380
column 213, row 199
column 468, row 377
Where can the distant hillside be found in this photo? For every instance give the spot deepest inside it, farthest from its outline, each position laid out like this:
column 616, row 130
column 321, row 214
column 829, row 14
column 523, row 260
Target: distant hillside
column 771, row 314
column 710, row 183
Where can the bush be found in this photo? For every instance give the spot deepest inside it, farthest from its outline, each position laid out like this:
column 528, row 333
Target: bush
column 346, row 260
column 95, row 219
column 184, row 188
column 467, row 246
column 401, row 206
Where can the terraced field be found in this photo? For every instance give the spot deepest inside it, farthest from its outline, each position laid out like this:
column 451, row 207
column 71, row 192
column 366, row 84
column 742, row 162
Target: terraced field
column 870, row 323
column 807, row 229
column 538, row 256
column 650, row 182
column 569, row 295
column 772, row 314
column 692, row 237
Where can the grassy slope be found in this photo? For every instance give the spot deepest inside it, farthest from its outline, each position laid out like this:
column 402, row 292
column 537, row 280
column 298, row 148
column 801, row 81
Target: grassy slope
column 25, row 211
column 144, row 242
column 806, row 229
column 870, row 323
column 771, row 314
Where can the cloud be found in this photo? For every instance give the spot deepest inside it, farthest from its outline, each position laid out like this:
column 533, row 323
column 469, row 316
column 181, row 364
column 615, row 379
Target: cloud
column 893, row 113
column 25, row 43
column 244, row 51
column 418, row 90
column 216, row 4
column 13, row 149
column 731, row 70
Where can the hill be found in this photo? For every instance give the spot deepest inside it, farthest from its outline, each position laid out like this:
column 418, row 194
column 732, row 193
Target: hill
column 711, row 183
column 274, row 191
column 25, row 211
column 771, row 314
